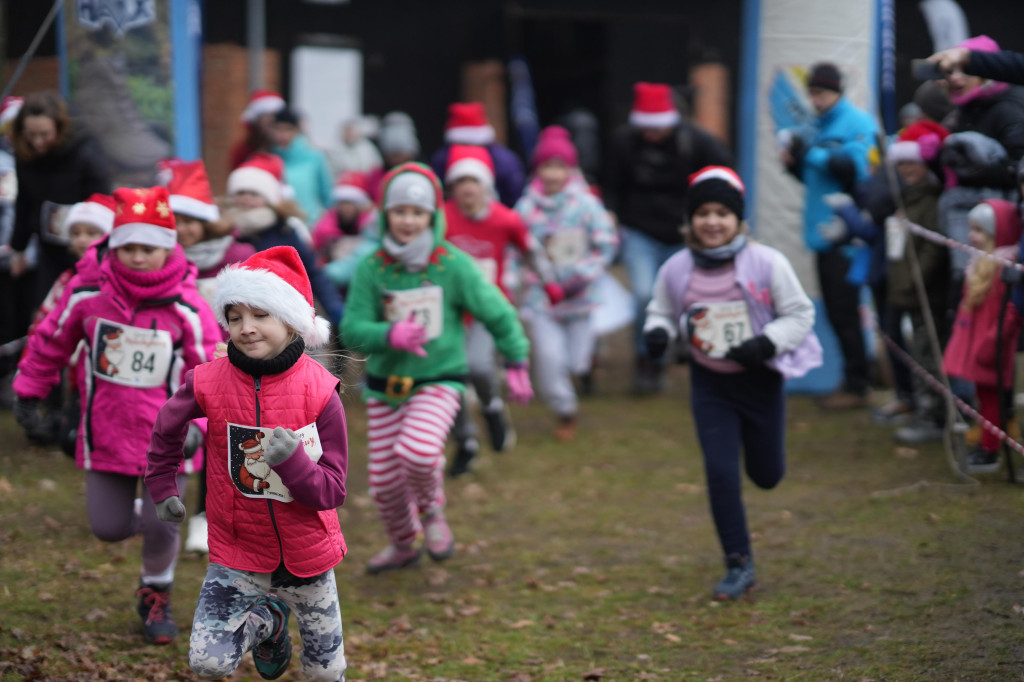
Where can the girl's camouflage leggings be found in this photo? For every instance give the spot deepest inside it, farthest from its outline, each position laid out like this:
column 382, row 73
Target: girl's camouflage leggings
column 228, row 622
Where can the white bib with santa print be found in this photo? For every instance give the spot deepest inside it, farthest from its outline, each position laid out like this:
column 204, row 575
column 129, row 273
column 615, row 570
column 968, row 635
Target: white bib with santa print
column 567, row 246
column 247, row 465
column 424, row 304
column 719, row 326
column 131, row 356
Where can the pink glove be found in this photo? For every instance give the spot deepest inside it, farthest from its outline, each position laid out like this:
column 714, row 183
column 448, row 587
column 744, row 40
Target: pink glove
column 408, row 336
column 519, row 388
column 554, row 292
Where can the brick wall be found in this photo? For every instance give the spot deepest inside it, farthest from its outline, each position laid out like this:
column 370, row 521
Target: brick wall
column 225, row 93
column 41, row 73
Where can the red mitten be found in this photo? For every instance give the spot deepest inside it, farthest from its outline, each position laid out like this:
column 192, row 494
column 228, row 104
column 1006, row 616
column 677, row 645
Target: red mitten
column 555, row 293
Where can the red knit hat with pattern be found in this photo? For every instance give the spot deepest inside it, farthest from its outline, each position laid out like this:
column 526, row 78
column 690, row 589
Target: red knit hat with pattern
column 143, row 216
column 274, row 281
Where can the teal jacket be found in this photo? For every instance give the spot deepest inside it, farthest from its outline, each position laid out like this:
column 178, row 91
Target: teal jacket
column 461, row 288
column 308, row 173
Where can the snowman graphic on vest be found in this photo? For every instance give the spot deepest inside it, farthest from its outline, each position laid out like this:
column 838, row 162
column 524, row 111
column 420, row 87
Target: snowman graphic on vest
column 113, row 353
column 702, row 332
column 255, row 470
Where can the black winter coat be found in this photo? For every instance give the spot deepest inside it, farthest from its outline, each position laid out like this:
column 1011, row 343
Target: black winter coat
column 646, row 185
column 1000, row 117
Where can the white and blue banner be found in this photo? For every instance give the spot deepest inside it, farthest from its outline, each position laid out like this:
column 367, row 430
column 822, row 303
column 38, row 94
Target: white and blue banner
column 781, row 40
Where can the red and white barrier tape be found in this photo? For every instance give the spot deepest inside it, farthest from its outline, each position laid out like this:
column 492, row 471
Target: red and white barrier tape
column 960, row 246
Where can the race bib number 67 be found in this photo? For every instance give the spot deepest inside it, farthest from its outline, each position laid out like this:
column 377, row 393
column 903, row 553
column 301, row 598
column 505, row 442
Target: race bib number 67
column 131, row 356
column 717, row 327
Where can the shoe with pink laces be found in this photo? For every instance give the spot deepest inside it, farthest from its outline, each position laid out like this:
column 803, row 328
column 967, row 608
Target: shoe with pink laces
column 393, row 558
column 440, row 542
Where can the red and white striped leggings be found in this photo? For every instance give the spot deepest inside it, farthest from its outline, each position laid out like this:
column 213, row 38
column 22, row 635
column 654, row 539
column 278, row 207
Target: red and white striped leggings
column 407, row 457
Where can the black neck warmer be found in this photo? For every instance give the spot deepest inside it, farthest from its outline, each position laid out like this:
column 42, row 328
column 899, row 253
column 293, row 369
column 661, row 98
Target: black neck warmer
column 256, row 367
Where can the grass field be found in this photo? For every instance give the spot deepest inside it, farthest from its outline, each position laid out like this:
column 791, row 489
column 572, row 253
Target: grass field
column 592, row 561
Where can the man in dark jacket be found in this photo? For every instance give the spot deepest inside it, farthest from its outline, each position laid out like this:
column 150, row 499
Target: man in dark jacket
column 651, row 160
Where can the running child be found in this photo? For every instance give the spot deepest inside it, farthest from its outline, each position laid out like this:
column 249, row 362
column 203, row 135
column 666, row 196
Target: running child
column 134, row 305
column 749, row 325
column 278, row 460
column 405, row 311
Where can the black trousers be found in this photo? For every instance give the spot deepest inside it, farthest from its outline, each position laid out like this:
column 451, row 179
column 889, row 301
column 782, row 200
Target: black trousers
column 842, row 307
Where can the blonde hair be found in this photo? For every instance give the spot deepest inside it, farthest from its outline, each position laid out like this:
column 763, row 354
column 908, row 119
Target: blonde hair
column 981, row 273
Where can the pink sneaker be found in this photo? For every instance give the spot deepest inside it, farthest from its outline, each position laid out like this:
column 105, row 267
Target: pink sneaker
column 439, row 542
column 393, row 558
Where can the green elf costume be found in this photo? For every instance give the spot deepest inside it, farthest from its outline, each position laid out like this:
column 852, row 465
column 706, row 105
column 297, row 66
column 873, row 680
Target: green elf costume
column 405, row 311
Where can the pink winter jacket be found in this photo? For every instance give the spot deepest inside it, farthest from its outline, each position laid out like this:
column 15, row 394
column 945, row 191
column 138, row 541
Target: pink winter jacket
column 141, row 331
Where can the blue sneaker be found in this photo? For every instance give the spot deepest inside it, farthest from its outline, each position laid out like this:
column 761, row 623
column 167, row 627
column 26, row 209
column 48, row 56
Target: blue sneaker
column 273, row 655
column 738, row 580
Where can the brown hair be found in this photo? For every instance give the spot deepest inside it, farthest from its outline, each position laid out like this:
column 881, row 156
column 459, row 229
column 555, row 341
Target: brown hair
column 48, row 104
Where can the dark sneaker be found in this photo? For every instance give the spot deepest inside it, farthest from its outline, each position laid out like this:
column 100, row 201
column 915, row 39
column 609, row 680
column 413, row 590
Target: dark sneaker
column 739, row 579
column 158, row 626
column 982, row 461
column 463, row 456
column 273, row 654
column 918, row 432
column 499, row 427
column 586, row 384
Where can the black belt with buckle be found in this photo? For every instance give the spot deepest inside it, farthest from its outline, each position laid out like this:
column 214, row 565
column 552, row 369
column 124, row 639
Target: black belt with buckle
column 399, row 387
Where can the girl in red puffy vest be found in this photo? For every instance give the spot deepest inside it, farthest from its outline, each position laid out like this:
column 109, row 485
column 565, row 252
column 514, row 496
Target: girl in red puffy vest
column 278, row 460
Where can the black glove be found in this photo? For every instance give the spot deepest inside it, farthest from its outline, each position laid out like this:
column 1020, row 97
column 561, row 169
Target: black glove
column 656, row 341
column 752, row 353
column 193, row 440
column 27, row 414
column 842, row 169
column 69, row 418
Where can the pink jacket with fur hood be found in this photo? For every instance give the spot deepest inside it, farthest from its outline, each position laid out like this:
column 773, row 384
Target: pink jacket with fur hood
column 141, row 332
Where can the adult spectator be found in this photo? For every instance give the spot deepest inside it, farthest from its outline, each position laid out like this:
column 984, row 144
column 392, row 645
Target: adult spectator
column 306, row 169
column 57, row 165
column 15, row 315
column 648, row 171
column 467, row 124
column 834, row 157
column 398, row 144
column 258, row 122
column 354, row 152
column 1007, row 67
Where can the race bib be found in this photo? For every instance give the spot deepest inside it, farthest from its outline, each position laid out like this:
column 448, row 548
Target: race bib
column 895, row 238
column 567, row 246
column 247, row 464
column 52, row 223
column 489, row 267
column 131, row 356
column 717, row 327
column 424, row 304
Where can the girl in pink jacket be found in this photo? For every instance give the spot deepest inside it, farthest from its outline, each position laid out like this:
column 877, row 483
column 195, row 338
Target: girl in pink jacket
column 995, row 227
column 277, row 460
column 134, row 306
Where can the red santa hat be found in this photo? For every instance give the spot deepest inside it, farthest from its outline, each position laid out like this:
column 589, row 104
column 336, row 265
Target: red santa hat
column 262, row 102
column 352, row 186
column 261, row 173
column 252, row 445
column 113, row 336
column 9, row 109
column 919, row 142
column 468, row 124
column 97, row 210
column 143, row 216
column 653, row 106
column 469, row 161
column 189, row 188
column 275, row 281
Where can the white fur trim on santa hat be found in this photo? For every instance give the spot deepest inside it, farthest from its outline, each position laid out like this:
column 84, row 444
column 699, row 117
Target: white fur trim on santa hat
column 478, row 135
column 262, row 105
column 470, row 168
column 252, row 179
column 264, row 290
column 350, row 193
column 143, row 233
column 720, row 174
column 194, row 208
column 904, row 150
column 654, row 119
column 91, row 213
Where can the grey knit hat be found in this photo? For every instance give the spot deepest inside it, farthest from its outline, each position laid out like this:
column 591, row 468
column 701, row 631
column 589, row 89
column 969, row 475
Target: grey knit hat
column 410, row 189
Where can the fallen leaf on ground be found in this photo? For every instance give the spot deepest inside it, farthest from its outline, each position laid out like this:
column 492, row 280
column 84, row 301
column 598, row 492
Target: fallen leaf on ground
column 520, row 624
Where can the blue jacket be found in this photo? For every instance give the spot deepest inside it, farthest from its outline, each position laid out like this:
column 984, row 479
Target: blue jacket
column 308, row 173
column 844, row 131
column 281, row 234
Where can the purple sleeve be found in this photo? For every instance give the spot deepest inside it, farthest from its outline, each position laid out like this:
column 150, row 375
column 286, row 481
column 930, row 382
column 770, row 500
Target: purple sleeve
column 320, row 485
column 166, row 446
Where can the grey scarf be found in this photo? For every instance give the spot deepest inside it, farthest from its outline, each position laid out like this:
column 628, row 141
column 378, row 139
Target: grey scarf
column 710, row 259
column 414, row 254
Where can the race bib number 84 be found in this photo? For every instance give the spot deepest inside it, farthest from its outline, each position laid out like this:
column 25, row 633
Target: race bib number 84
column 131, row 356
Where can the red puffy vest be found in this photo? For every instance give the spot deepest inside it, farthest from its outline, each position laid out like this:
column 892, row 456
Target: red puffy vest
column 250, row 533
